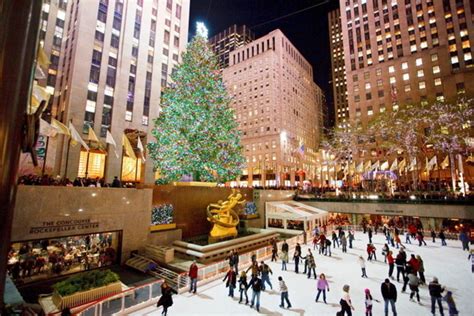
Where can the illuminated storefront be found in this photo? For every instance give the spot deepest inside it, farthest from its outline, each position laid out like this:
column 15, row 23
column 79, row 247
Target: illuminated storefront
column 91, row 164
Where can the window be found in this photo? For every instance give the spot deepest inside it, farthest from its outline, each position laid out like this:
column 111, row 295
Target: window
column 460, row 87
column 437, row 81
column 406, row 77
column 404, row 65
column 110, row 81
column 434, row 57
column 178, row 11
column 169, row 4
column 167, row 37
column 96, row 57
column 419, row 62
column 436, row 69
column 94, row 74
column 176, row 41
column 368, row 96
column 420, row 73
column 99, row 36
column 379, row 82
column 128, row 116
column 407, row 88
column 370, row 111
column 378, row 72
column 393, row 80
column 440, row 97
column 380, row 93
column 367, row 86
column 391, row 69
column 114, row 41
column 421, row 85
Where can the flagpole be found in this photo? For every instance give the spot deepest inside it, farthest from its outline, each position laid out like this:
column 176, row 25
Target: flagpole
column 439, row 173
column 45, row 156
column 67, row 157
column 87, row 161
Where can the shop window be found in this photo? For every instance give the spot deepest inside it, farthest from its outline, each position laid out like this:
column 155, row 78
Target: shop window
column 91, row 164
column 131, row 169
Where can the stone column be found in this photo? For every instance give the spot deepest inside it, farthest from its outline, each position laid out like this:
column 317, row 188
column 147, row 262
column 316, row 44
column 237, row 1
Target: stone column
column 19, row 24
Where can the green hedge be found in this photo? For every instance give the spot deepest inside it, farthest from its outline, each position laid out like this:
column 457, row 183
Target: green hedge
column 85, row 281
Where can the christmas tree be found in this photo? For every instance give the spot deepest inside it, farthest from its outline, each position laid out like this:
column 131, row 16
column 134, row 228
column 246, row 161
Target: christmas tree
column 196, row 132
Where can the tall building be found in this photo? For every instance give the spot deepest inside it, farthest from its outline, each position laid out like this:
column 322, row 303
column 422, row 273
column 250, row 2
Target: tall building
column 229, row 40
column 405, row 52
column 338, row 72
column 278, row 110
column 116, row 56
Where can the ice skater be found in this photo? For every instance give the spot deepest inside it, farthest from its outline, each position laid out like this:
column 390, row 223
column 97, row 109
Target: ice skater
column 362, row 266
column 368, row 303
column 296, row 258
column 322, row 286
column 335, row 241
column 389, row 294
column 231, row 278
column 265, row 272
column 351, row 238
column 166, row 299
column 256, row 285
column 413, row 283
column 243, row 287
column 435, row 293
column 283, row 293
column 391, row 264
column 311, row 264
column 346, row 303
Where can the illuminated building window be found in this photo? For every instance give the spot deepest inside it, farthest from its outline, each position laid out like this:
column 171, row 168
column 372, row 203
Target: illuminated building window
column 131, row 169
column 407, row 88
column 436, row 69
column 419, row 62
column 404, row 65
column 420, row 73
column 437, row 81
column 422, row 85
column 92, row 163
column 406, row 77
column 391, row 69
column 393, row 80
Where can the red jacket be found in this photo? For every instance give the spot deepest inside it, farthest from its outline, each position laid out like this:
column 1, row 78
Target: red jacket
column 390, row 259
column 415, row 264
column 193, row 271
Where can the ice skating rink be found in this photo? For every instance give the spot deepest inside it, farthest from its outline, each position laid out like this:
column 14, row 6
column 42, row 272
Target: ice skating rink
column 449, row 264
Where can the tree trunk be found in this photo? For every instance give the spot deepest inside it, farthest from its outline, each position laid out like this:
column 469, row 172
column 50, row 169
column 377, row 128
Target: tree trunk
column 453, row 174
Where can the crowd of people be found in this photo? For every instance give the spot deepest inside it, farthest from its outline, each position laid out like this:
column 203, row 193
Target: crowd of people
column 30, row 261
column 32, row 179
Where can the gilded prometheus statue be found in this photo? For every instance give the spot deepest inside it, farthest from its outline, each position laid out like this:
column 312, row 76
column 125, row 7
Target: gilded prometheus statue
column 224, row 218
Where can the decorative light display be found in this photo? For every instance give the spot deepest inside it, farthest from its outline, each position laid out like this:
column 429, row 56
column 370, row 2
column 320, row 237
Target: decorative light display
column 196, row 133
column 162, row 214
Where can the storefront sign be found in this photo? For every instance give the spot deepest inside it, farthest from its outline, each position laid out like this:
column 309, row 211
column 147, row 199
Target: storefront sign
column 389, row 211
column 63, row 225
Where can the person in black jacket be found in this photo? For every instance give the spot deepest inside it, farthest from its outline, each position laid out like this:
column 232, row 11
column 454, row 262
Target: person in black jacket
column 243, row 287
column 231, row 278
column 389, row 294
column 256, row 285
column 296, row 258
column 435, row 292
column 166, row 300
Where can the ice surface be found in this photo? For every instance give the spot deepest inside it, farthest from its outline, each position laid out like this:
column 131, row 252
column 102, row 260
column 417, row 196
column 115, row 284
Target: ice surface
column 449, row 264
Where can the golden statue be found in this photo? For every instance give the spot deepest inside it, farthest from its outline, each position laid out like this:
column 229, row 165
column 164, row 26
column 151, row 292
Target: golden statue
column 224, row 218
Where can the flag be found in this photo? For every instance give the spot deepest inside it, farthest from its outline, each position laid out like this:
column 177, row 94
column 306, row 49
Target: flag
column 402, row 164
column 301, row 149
column 433, row 161
column 38, row 94
column 46, row 129
column 384, row 166
column 76, row 138
column 110, row 140
column 394, row 165
column 368, row 164
column 42, row 58
column 140, row 146
column 92, row 136
column 445, row 163
column 128, row 147
column 375, row 166
column 60, row 127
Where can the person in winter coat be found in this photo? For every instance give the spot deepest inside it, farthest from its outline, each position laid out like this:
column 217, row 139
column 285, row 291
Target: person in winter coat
column 421, row 238
column 351, row 238
column 298, row 247
column 322, row 286
column 346, row 303
column 369, row 233
column 413, row 283
column 335, row 241
column 285, row 247
column 256, row 285
column 231, row 278
column 448, row 298
column 265, row 272
column 296, row 258
column 315, row 242
column 435, row 293
column 311, row 264
column 464, row 240
column 442, row 236
column 408, row 270
column 433, row 235
column 193, row 274
column 243, row 286
column 391, row 264
column 283, row 293
column 274, row 250
column 254, row 268
column 368, row 303
column 385, row 250
column 235, row 256
column 400, row 263
column 421, row 269
column 166, row 300
column 362, row 266
column 369, row 252
column 322, row 244
column 344, row 242
column 415, row 265
column 327, row 248
column 284, row 260
column 389, row 294
column 471, row 256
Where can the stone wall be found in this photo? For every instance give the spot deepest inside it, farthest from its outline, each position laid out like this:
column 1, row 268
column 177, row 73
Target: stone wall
column 50, row 211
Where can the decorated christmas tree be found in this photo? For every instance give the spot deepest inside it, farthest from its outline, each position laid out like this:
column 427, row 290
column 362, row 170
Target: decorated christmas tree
column 196, row 132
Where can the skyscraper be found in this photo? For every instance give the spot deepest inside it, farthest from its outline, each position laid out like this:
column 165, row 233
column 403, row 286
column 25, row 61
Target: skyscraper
column 229, row 40
column 338, row 72
column 278, row 108
column 116, row 56
column 405, row 52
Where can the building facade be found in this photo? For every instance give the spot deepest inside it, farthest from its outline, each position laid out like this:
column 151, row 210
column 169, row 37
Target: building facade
column 405, row 52
column 278, row 110
column 338, row 71
column 229, row 40
column 116, row 56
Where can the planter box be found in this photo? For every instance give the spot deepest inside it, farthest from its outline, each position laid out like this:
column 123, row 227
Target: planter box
column 154, row 228
column 86, row 296
column 195, row 184
column 250, row 216
column 160, row 253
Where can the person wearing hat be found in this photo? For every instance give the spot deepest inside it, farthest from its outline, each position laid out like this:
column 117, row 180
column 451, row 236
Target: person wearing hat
column 346, row 303
column 389, row 294
column 368, row 303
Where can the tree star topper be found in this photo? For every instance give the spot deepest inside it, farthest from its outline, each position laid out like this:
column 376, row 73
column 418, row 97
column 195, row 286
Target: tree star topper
column 201, row 29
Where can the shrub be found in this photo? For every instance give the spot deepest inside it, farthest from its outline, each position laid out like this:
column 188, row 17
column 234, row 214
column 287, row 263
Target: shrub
column 85, row 281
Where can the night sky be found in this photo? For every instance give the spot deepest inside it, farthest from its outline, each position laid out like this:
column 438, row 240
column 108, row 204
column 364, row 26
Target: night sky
column 307, row 30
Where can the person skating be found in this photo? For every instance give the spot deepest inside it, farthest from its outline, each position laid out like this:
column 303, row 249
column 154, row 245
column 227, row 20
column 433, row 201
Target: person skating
column 243, row 286
column 231, row 278
column 236, row 261
column 398, row 242
column 322, row 243
column 385, row 250
column 254, row 268
column 471, row 256
column 346, row 303
column 298, row 247
column 369, row 233
column 464, row 240
column 421, row 269
column 407, row 237
column 327, row 248
column 311, row 264
column 414, row 263
column 284, row 260
column 413, row 283
column 442, row 236
column 433, row 235
column 389, row 294
column 166, row 299
column 448, row 298
column 322, row 286
column 315, row 242
column 296, row 258
column 435, row 293
column 362, row 266
column 335, row 241
column 274, row 250
column 193, row 274
column 344, row 242
column 391, row 264
column 351, row 238
column 285, row 247
column 408, row 270
column 256, row 285
column 368, row 303
column 265, row 272
column 283, row 293
column 421, row 238
column 400, row 263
